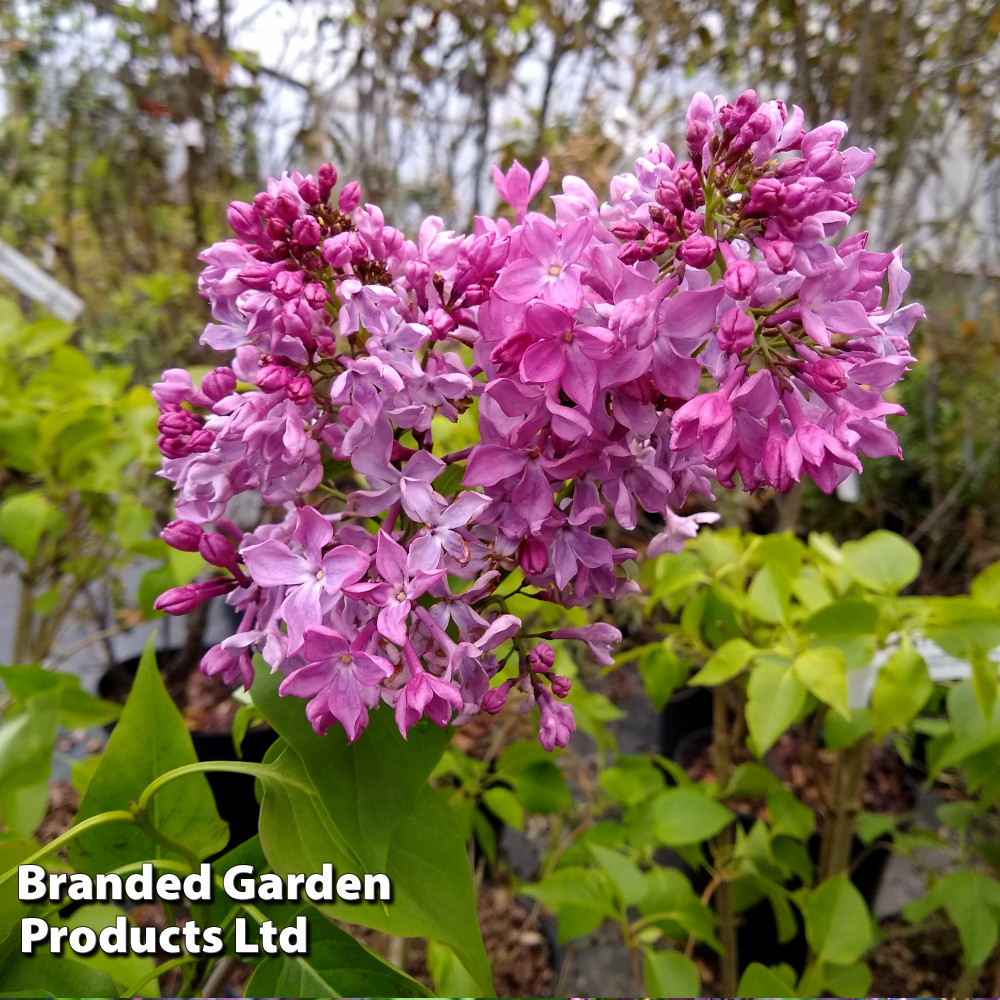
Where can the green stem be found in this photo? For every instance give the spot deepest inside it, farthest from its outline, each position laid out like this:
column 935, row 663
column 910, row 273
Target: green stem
column 101, row 819
column 234, row 766
column 726, row 918
column 157, row 972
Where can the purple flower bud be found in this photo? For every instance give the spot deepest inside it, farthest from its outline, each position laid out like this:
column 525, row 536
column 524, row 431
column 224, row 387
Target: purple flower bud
column 286, row 208
column 171, row 447
column 177, row 422
column 826, row 375
column 735, row 331
column 669, row 197
column 741, row 279
column 475, row 295
column 315, row 294
column 779, row 255
column 183, row 535
column 698, row 251
column 561, row 686
column 256, row 276
column 631, row 253
column 217, row 550
column 306, row 231
column 327, row 178
column 350, row 197
column 309, row 191
column 628, row 229
column 201, row 440
column 542, row 657
column 441, row 323
column 509, row 351
column 263, row 203
column 219, row 383
column 243, row 220
column 656, row 243
column 495, row 698
column 275, row 228
column 275, row 377
column 744, row 106
column 299, row 390
column 533, row 556
column 288, row 284
column 825, row 161
column 691, row 221
column 696, row 135
column 181, row 600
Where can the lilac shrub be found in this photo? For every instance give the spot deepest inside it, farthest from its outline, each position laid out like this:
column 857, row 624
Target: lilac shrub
column 701, row 325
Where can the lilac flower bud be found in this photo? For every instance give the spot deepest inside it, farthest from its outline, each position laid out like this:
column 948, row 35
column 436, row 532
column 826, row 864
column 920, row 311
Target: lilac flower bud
column 826, row 375
column 756, row 128
column 275, row 377
column 825, row 161
column 286, row 208
column 696, row 135
column 177, row 422
column 183, row 535
column 698, row 251
column 327, row 179
column 476, row 295
column 309, row 191
column 779, row 255
column 668, row 195
column 263, row 203
column 337, row 250
column 656, row 243
column 631, row 253
column 541, row 657
column 628, row 229
column 171, row 447
column 741, row 279
column 217, row 550
column 181, row 600
column 299, row 390
column 275, row 228
column 315, row 294
column 735, row 331
column 350, row 197
column 692, row 221
column 441, row 323
column 561, row 686
column 243, row 220
column 766, row 196
column 306, row 231
column 496, row 698
column 533, row 555
column 743, row 107
column 201, row 440
column 219, row 383
column 288, row 284
column 256, row 276
column 509, row 351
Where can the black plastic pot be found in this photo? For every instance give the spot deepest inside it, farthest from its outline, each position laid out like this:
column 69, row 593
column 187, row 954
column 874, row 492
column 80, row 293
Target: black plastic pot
column 234, row 793
column 688, row 711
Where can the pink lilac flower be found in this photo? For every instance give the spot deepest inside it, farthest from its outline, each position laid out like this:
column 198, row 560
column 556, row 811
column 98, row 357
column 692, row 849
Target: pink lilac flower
column 702, row 326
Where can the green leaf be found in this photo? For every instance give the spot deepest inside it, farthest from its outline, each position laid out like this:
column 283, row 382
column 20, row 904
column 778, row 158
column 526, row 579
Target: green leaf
column 670, row 974
column 370, row 786
column 448, row 973
column 149, row 740
column 24, row 518
column 580, row 897
column 631, row 779
column 537, row 780
column 46, row 975
column 687, row 816
column 426, row 860
column 336, row 966
column 125, row 970
column 882, row 561
column 986, row 585
column 504, row 804
column 78, row 709
column 662, row 672
column 623, row 872
column 852, row 980
column 824, row 673
column 43, row 336
column 848, row 626
column 838, row 924
column 726, row 662
column 760, row 981
column 839, row 732
column 768, row 596
column 972, row 902
column 26, row 745
column 902, row 687
column 775, row 697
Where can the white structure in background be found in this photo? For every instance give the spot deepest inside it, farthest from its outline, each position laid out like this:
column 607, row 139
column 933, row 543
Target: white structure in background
column 29, row 279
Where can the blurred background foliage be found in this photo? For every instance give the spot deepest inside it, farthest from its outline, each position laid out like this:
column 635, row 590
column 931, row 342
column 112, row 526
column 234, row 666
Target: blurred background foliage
column 127, row 127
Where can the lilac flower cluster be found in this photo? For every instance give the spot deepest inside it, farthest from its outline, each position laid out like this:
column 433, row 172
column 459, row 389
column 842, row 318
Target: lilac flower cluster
column 697, row 326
